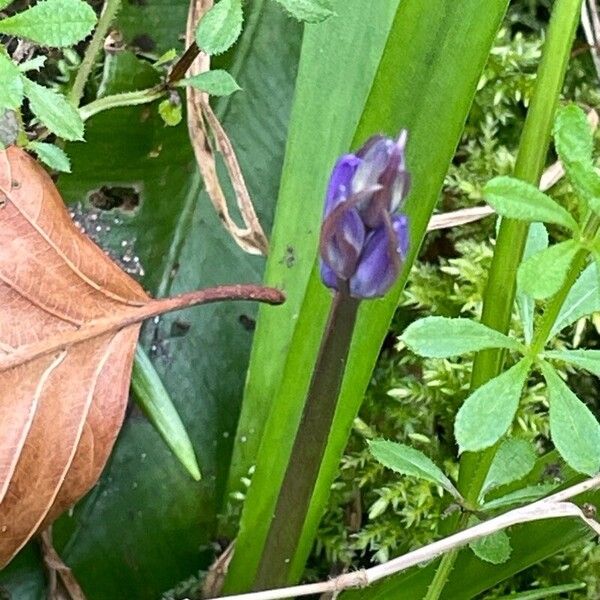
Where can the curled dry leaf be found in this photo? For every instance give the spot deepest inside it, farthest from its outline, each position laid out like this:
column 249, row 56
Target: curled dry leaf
column 69, row 324
column 202, row 120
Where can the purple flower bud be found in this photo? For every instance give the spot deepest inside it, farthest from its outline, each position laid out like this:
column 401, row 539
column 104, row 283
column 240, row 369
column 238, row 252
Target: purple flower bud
column 362, row 241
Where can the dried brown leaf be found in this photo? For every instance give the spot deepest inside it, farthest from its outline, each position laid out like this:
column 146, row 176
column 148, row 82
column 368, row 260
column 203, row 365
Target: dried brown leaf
column 69, row 324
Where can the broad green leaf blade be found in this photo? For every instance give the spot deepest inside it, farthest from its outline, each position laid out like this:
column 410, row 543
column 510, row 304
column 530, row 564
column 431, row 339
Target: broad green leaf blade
column 489, row 411
column 514, row 459
column 582, row 300
column 442, row 337
column 573, row 428
column 220, row 27
column 316, row 138
column 494, row 548
column 516, row 199
column 56, row 23
column 156, row 403
column 409, row 461
column 311, row 11
column 548, row 592
column 456, row 40
column 583, row 359
column 537, row 241
column 11, row 90
column 523, row 496
column 54, row 111
column 215, row 83
column 51, row 155
column 542, row 274
column 573, row 136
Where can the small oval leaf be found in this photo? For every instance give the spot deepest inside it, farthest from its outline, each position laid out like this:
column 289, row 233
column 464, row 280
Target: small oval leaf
column 515, row 199
column 489, row 411
column 51, row 155
column 215, row 83
column 442, row 337
column 220, row 27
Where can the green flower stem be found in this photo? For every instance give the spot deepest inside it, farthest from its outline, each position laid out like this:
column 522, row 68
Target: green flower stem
column 109, row 12
column 500, row 293
column 309, row 445
column 119, row 100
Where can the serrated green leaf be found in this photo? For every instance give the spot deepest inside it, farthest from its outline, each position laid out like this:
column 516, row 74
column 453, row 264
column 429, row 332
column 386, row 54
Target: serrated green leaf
column 573, row 137
column 489, row 411
column 54, row 111
column 220, row 27
column 51, row 155
column 537, row 240
column 311, row 11
column 170, row 112
column 494, row 548
column 516, row 199
column 573, row 428
column 514, row 459
column 56, row 23
column 442, row 337
column 584, row 359
column 156, row 403
column 523, row 496
column 215, row 83
column 542, row 274
column 582, row 300
column 586, row 183
column 11, row 89
column 409, row 461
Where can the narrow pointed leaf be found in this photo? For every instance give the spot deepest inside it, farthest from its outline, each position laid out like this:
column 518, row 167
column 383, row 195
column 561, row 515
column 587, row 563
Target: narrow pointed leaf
column 523, row 496
column 573, row 428
column 57, row 23
column 514, row 459
column 51, row 155
column 582, row 300
column 583, row 359
column 442, row 337
column 516, row 199
column 220, row 27
column 488, row 412
column 541, row 275
column 536, row 242
column 547, row 592
column 156, row 403
column 409, row 461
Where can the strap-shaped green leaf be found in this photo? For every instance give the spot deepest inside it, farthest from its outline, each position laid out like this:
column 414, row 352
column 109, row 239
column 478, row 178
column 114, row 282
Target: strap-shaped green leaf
column 215, row 83
column 573, row 428
column 489, row 411
column 311, row 11
column 515, row 459
column 584, row 359
column 54, row 111
column 56, row 23
column 582, row 300
column 516, row 199
column 442, row 337
column 542, row 274
column 220, row 27
column 11, row 88
column 409, row 461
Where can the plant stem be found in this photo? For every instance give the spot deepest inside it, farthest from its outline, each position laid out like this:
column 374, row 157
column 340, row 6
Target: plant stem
column 442, row 574
column 309, row 445
column 501, row 288
column 109, row 12
column 183, row 64
column 119, row 100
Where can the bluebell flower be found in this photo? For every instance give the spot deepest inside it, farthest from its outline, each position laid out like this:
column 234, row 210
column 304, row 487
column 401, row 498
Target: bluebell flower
column 363, row 239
